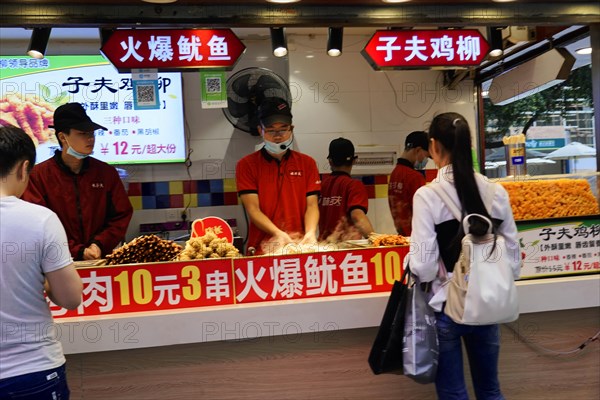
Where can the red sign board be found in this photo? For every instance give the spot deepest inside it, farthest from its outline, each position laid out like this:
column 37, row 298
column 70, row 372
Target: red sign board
column 152, row 287
column 322, row 274
column 172, row 49
column 426, row 48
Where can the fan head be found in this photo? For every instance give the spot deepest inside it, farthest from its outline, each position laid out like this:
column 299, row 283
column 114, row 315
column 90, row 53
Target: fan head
column 246, row 89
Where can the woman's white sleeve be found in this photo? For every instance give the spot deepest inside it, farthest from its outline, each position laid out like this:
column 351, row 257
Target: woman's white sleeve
column 424, row 252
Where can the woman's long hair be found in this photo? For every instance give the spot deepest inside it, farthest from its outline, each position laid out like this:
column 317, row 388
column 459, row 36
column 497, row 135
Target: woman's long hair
column 452, row 131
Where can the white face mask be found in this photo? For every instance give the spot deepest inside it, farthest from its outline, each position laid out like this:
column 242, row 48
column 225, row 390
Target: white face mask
column 278, row 148
column 72, row 152
column 422, row 164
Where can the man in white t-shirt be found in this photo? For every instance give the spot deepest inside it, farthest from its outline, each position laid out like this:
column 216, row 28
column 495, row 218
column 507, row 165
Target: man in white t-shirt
column 34, row 258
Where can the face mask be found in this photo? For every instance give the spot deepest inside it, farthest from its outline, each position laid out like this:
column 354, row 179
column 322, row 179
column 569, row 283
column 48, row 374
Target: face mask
column 75, row 153
column 422, row 164
column 278, row 148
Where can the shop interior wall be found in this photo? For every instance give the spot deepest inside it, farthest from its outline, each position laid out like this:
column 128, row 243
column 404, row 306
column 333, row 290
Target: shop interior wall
column 332, row 97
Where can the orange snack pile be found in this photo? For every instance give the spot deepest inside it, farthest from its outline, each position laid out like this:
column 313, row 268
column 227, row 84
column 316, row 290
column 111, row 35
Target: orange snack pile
column 551, row 198
column 32, row 114
column 378, row 239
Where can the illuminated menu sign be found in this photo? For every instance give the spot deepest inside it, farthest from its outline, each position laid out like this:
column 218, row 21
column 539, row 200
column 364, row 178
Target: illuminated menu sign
column 31, row 90
column 173, row 49
column 425, row 48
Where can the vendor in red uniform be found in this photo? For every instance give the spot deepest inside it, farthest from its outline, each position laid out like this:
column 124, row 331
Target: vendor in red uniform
column 86, row 194
column 344, row 201
column 279, row 187
column 405, row 180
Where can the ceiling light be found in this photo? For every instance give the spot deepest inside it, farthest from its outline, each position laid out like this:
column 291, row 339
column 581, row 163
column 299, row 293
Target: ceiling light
column 38, row 42
column 279, row 42
column 395, row 1
column 584, row 50
column 494, row 37
column 334, row 42
column 159, row 1
column 282, row 1
column 503, row 1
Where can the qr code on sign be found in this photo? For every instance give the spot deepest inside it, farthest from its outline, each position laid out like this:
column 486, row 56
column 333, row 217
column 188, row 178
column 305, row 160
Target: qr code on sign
column 213, row 85
column 146, row 95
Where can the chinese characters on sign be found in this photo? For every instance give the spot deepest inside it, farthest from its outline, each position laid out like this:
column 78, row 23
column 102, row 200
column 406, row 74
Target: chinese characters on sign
column 163, row 286
column 425, row 48
column 560, row 249
column 173, row 48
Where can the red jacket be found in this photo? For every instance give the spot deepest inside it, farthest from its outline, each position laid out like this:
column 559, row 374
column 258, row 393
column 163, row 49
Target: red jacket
column 404, row 182
column 92, row 205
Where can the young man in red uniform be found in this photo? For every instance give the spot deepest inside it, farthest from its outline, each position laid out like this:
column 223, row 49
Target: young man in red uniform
column 86, row 194
column 278, row 187
column 405, row 180
column 344, row 201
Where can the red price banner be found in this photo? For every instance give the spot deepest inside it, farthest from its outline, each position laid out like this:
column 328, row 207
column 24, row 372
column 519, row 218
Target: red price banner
column 152, row 287
column 156, row 287
column 426, row 48
column 173, row 49
column 321, row 274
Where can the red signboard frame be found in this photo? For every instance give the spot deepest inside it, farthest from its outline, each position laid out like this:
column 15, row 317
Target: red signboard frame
column 173, row 49
column 410, row 49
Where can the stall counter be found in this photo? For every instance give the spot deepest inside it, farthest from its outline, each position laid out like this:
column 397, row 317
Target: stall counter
column 160, row 304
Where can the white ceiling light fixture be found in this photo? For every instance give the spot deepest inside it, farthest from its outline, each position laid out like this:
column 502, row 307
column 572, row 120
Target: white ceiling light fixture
column 283, row 1
column 395, row 1
column 503, row 1
column 159, row 1
column 584, row 51
column 279, row 42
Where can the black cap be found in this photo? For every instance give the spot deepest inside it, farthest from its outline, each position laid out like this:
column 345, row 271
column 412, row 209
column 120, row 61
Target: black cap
column 73, row 116
column 274, row 110
column 341, row 151
column 417, row 139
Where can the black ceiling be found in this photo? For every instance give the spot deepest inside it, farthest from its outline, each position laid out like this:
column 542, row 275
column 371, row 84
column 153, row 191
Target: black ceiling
column 239, row 13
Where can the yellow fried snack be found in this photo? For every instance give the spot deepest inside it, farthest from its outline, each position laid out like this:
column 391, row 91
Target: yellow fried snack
column 378, row 239
column 208, row 246
column 551, row 198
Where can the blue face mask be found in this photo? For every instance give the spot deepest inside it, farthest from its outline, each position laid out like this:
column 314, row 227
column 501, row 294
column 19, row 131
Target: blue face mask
column 278, row 148
column 422, row 164
column 75, row 153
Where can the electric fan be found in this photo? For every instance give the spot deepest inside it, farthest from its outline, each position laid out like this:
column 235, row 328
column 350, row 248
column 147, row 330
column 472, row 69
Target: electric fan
column 246, row 89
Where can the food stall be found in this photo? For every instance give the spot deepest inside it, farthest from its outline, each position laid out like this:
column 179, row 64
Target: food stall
column 210, row 293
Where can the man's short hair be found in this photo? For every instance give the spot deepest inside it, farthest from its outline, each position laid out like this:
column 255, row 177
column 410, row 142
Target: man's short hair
column 15, row 146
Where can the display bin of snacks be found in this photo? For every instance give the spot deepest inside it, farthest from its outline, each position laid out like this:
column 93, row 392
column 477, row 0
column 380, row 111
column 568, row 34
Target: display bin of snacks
column 558, row 223
column 553, row 196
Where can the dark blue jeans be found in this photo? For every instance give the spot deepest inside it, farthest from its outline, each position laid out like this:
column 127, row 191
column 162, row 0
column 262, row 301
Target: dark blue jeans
column 50, row 384
column 483, row 346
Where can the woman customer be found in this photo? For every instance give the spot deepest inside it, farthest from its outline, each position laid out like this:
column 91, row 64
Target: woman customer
column 435, row 239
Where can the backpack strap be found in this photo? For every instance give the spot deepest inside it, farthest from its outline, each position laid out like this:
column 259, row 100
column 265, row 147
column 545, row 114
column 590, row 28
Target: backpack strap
column 454, row 208
column 488, row 200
